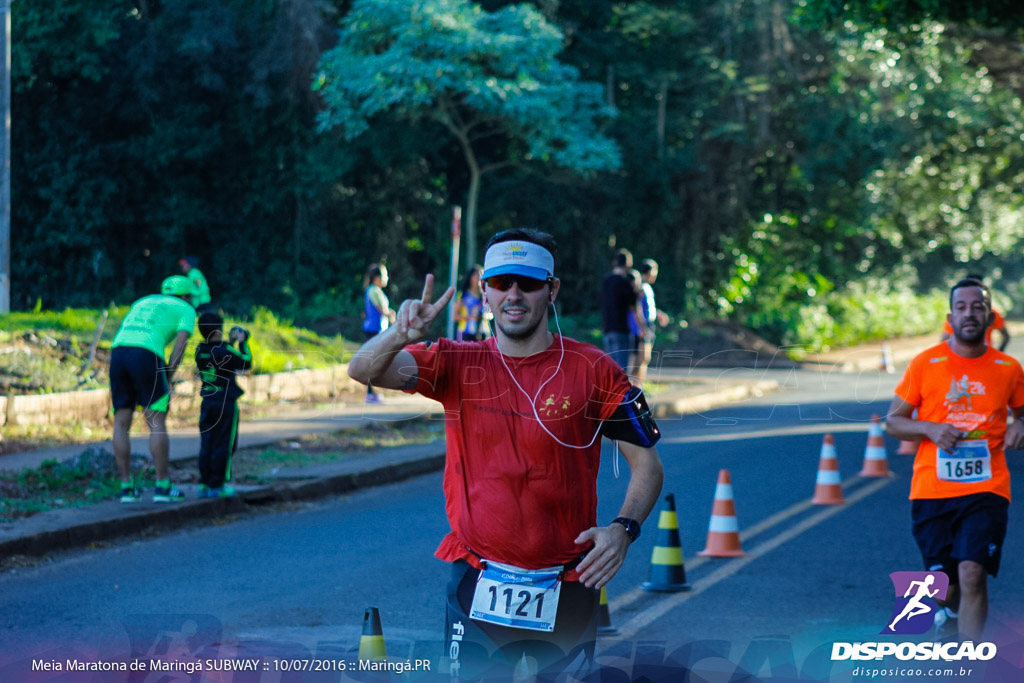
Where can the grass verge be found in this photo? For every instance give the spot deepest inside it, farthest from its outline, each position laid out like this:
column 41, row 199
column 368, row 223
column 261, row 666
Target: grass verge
column 91, row 477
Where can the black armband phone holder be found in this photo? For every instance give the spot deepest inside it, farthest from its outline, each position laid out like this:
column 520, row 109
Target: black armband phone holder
column 632, row 421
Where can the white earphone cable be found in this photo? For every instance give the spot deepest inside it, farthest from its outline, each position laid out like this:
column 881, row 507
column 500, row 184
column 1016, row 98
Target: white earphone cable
column 533, row 399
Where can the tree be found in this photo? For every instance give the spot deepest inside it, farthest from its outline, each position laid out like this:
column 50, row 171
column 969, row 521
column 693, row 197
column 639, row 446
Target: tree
column 996, row 13
column 492, row 80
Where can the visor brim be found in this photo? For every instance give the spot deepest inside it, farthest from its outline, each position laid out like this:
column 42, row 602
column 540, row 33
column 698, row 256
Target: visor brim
column 517, row 269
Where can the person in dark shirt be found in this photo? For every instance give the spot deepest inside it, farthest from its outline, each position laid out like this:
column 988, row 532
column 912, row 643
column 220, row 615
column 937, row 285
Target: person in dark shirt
column 218, row 362
column 618, row 300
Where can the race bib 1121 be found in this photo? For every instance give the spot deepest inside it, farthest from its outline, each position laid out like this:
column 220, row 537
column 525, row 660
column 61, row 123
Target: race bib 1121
column 520, row 598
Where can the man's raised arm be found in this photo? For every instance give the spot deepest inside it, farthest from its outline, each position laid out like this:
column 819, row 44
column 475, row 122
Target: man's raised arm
column 382, row 361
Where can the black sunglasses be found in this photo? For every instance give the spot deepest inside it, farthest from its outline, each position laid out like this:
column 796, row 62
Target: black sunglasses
column 503, row 283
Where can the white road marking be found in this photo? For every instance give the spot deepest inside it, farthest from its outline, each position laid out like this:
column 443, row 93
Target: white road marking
column 658, row 609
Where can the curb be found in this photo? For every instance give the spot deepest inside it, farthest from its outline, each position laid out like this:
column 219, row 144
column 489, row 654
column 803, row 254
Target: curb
column 696, row 404
column 175, row 516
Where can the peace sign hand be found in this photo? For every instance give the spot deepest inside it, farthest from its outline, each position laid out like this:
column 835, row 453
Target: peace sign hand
column 415, row 316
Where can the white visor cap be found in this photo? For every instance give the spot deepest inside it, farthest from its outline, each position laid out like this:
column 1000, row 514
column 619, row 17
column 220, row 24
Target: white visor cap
column 519, row 258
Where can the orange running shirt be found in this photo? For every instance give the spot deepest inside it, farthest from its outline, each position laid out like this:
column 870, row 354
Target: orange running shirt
column 971, row 394
column 998, row 323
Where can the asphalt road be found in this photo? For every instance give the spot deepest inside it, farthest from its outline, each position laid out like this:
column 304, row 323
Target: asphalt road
column 293, row 584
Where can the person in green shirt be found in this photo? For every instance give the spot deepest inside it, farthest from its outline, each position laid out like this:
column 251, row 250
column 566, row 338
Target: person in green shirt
column 201, row 297
column 139, row 376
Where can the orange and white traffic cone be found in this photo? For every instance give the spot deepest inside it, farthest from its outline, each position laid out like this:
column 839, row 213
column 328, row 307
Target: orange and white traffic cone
column 723, row 530
column 876, row 463
column 828, row 489
column 886, row 364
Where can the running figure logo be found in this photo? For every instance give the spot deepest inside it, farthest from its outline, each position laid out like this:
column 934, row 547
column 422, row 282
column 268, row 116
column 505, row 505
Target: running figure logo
column 914, row 604
column 964, row 388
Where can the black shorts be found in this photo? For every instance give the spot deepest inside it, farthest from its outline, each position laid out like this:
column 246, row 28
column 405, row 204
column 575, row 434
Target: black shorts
column 477, row 649
column 138, row 377
column 951, row 530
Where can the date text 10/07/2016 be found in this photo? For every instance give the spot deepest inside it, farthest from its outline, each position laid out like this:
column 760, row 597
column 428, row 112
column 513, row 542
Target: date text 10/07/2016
column 391, row 666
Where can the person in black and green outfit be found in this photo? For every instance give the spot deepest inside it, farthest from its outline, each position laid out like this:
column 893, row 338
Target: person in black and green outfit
column 218, row 362
column 139, row 376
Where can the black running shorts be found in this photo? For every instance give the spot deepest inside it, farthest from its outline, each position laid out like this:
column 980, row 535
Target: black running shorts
column 138, row 377
column 951, row 530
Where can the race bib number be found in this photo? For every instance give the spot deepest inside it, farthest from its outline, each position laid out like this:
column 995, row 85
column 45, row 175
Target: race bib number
column 969, row 462
column 520, row 598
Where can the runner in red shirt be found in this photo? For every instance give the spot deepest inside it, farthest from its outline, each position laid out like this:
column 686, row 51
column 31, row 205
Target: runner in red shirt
column 525, row 412
column 960, row 491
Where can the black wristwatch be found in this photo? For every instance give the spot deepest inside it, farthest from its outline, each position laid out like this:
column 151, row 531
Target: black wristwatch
column 632, row 527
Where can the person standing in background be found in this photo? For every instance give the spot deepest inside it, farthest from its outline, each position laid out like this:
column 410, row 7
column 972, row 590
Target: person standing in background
column 618, row 298
column 469, row 312
column 637, row 325
column 219, row 363
column 377, row 314
column 139, row 376
column 201, row 297
column 648, row 274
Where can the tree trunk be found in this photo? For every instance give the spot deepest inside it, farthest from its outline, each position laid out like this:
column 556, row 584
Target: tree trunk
column 662, row 107
column 609, row 86
column 471, row 200
column 301, row 219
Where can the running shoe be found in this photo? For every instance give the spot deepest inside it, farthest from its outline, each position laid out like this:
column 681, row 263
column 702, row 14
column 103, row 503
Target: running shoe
column 945, row 621
column 223, row 492
column 130, row 494
column 373, row 398
column 167, row 494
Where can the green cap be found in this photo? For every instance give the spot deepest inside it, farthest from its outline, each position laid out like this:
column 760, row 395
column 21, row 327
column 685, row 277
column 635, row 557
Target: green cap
column 177, row 285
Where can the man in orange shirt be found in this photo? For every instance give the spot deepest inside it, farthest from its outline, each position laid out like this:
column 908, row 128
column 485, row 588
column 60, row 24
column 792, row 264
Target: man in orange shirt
column 960, row 491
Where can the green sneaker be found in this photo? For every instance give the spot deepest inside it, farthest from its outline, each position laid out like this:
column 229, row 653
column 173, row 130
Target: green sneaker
column 130, row 495
column 219, row 492
column 167, row 494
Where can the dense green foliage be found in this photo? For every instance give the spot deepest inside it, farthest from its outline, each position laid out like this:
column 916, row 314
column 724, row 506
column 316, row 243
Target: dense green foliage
column 1000, row 13
column 481, row 76
column 771, row 152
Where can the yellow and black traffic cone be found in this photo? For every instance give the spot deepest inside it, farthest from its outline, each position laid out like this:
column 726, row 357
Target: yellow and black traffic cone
column 371, row 644
column 668, row 574
column 604, row 617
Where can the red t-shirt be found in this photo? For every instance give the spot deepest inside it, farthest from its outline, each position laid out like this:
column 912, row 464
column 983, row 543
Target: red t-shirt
column 971, row 394
column 512, row 493
column 998, row 323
